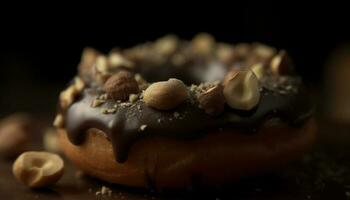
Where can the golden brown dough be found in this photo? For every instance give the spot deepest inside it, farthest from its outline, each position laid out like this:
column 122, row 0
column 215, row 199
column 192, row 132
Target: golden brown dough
column 215, row 158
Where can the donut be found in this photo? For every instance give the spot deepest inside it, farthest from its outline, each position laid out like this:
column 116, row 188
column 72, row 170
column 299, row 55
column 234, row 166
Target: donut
column 171, row 113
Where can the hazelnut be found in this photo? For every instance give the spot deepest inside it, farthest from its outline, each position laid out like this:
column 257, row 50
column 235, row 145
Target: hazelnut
column 230, row 74
column 281, row 64
column 224, row 53
column 165, row 95
column 203, row 44
column 116, row 60
column 166, row 45
column 263, row 51
column 121, row 85
column 241, row 51
column 212, row 100
column 38, row 169
column 242, row 90
column 14, row 134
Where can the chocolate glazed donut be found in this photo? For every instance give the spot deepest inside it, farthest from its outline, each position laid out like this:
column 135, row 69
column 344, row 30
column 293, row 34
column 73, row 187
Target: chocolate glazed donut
column 244, row 114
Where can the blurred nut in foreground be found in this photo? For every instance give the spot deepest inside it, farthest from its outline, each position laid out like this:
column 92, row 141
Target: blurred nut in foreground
column 165, row 95
column 38, row 169
column 50, row 141
column 14, row 134
column 242, row 90
column 13, row 140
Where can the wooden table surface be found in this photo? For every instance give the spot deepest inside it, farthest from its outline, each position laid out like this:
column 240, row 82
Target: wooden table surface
column 321, row 174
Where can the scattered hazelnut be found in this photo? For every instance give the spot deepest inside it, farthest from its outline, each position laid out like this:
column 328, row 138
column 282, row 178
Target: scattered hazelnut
column 212, row 100
column 50, row 141
column 38, row 169
column 165, row 95
column 166, row 45
column 203, row 44
column 281, row 64
column 242, row 91
column 121, row 85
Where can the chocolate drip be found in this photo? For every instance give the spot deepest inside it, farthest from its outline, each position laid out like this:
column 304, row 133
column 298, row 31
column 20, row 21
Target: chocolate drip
column 190, row 122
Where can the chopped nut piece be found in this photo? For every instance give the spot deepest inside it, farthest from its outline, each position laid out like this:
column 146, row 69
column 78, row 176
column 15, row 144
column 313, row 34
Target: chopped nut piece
column 79, row 84
column 212, row 100
column 166, row 95
column 242, row 90
column 97, row 102
column 143, row 127
column 38, row 169
column 103, row 97
column 102, row 64
column 101, row 70
column 133, row 98
column 105, row 191
column 68, row 96
column 121, row 85
column 141, row 82
column 59, row 121
column 281, row 64
column 108, row 111
column 176, row 115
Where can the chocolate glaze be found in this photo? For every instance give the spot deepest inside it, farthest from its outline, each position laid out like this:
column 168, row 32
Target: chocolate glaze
column 123, row 126
column 282, row 98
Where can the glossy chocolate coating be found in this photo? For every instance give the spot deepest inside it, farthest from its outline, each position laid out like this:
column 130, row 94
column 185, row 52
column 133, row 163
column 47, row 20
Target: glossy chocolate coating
column 123, row 126
column 282, row 98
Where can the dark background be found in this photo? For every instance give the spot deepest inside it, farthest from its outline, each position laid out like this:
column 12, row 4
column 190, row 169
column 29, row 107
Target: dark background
column 39, row 53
